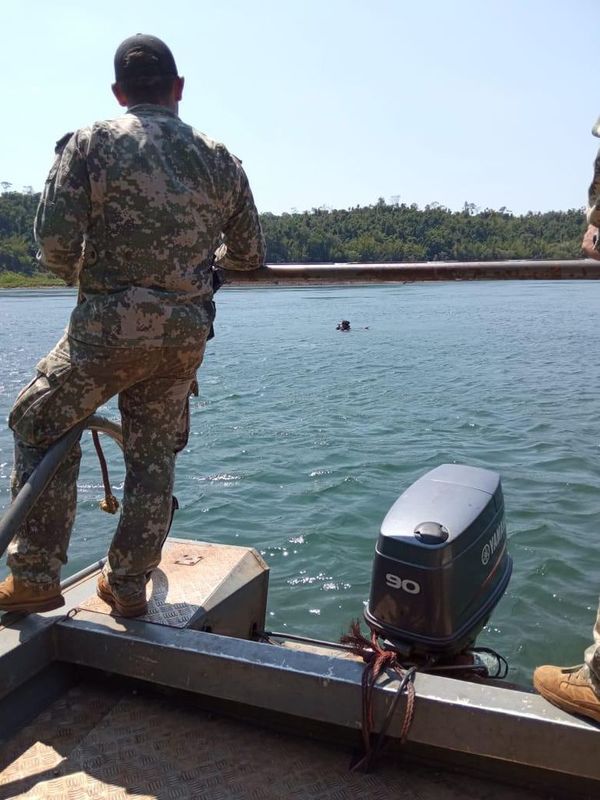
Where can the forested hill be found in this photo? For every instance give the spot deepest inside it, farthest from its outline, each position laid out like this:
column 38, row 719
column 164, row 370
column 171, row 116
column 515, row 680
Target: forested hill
column 382, row 232
column 387, row 233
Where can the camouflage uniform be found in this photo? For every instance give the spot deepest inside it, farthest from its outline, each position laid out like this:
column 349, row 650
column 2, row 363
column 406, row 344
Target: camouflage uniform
column 593, row 208
column 592, row 657
column 133, row 210
column 592, row 654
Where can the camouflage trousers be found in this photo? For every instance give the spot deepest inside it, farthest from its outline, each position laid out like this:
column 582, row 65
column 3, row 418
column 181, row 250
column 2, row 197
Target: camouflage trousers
column 592, row 657
column 73, row 380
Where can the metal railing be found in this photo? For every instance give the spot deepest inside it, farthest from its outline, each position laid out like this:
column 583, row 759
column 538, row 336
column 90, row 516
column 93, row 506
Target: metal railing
column 307, row 275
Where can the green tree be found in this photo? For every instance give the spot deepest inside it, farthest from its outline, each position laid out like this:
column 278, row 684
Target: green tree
column 382, row 232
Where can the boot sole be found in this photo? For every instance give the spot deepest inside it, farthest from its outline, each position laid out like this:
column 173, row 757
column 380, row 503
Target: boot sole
column 567, row 705
column 121, row 610
column 35, row 607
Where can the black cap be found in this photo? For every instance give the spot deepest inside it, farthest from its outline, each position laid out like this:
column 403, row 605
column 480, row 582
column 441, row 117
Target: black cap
column 143, row 56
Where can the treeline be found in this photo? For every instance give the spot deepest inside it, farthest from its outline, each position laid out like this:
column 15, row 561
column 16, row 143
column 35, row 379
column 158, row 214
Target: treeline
column 393, row 232
column 17, row 248
column 384, row 232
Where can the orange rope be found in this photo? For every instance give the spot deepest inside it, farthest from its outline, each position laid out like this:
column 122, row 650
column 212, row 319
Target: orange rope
column 377, row 659
column 110, row 504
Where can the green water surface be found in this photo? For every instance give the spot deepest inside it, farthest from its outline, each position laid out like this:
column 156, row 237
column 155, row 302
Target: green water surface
column 303, row 437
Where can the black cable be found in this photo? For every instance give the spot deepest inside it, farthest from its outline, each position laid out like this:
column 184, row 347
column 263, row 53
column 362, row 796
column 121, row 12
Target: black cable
column 295, row 638
column 409, row 675
column 501, row 663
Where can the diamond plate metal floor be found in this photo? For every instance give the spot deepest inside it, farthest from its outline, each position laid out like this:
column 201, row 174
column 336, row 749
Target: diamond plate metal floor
column 189, row 575
column 94, row 744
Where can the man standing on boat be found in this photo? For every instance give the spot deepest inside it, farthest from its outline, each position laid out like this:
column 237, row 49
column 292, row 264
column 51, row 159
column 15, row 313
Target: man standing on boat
column 132, row 212
column 577, row 689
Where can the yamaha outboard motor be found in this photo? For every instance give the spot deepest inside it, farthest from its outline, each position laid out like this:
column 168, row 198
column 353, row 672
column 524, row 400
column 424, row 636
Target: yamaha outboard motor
column 441, row 562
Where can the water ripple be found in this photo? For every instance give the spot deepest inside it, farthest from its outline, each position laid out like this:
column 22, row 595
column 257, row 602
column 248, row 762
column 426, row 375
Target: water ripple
column 302, row 438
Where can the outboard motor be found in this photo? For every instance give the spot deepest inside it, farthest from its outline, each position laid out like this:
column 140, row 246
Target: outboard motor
column 441, row 563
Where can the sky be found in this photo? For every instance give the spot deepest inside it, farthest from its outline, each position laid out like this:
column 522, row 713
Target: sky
column 332, row 103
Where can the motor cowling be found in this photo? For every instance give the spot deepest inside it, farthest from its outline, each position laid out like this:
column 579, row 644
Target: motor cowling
column 441, row 562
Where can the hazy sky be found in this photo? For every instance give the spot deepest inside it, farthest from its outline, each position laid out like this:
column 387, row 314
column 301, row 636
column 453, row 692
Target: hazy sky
column 333, row 102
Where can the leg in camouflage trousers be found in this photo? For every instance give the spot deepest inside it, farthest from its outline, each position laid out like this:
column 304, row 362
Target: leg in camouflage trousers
column 592, row 657
column 155, row 421
column 154, row 385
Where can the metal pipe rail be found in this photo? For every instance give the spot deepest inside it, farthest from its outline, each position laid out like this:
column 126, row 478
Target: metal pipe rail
column 315, row 274
column 18, row 511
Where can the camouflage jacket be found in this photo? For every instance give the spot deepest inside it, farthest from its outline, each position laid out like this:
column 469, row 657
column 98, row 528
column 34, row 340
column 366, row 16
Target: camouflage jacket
column 593, row 208
column 133, row 211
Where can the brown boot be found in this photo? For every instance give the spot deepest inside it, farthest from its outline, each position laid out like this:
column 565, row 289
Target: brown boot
column 133, row 606
column 568, row 688
column 16, row 595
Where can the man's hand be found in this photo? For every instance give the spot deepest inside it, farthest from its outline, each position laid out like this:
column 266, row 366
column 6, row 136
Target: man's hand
column 588, row 245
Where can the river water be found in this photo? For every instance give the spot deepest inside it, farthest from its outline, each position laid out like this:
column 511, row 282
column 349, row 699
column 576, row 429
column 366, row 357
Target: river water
column 303, row 436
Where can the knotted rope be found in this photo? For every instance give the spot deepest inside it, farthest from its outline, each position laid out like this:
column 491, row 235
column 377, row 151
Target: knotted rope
column 377, row 659
column 109, row 503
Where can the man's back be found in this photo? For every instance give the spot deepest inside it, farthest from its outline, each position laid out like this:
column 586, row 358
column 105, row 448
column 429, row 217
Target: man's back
column 149, row 198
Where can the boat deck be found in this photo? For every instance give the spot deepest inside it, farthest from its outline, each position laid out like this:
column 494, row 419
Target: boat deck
column 183, row 703
column 97, row 742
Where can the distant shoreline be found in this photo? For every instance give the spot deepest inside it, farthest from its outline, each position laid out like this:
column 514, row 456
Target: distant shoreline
column 16, row 280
